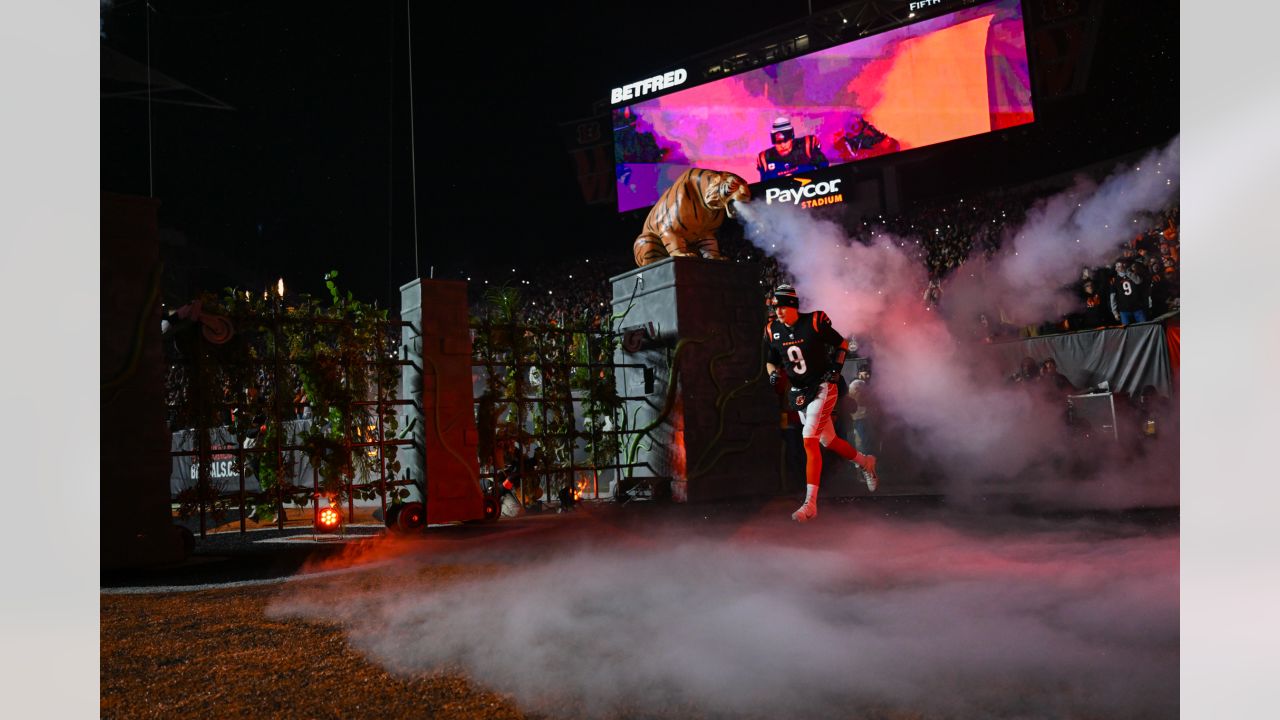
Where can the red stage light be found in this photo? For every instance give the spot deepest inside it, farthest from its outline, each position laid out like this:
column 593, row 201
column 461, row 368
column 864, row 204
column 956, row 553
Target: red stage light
column 329, row 519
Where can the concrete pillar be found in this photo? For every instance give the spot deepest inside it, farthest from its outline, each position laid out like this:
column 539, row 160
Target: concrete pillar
column 717, row 430
column 137, row 525
column 438, row 344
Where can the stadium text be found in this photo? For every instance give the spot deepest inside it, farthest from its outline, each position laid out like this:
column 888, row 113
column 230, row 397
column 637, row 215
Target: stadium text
column 828, row 200
column 218, row 470
column 819, row 192
column 648, row 85
column 922, row 4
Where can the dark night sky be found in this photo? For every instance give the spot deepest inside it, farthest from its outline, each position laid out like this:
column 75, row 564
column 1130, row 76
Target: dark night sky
column 311, row 170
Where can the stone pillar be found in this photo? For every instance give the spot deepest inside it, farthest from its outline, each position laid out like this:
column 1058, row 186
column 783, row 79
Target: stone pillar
column 438, row 346
column 136, row 523
column 700, row 324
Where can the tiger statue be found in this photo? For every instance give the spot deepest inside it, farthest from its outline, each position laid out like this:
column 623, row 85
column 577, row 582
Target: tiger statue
column 683, row 223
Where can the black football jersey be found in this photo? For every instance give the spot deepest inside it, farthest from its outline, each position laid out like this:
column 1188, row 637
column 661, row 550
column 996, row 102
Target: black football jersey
column 806, row 154
column 803, row 351
column 1130, row 296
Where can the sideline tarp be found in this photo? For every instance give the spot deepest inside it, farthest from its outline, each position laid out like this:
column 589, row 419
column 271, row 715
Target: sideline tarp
column 223, row 474
column 1129, row 358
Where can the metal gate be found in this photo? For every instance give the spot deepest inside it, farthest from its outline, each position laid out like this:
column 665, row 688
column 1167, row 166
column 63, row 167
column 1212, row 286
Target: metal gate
column 548, row 411
column 237, row 389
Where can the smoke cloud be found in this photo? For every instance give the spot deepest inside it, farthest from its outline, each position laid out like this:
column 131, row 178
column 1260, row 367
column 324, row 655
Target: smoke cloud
column 942, row 392
column 942, row 614
column 1081, row 226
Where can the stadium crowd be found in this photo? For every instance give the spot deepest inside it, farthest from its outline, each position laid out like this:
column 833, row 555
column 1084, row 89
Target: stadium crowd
column 1140, row 283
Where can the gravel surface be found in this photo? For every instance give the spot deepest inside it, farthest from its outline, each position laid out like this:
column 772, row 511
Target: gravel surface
column 215, row 653
column 207, row 637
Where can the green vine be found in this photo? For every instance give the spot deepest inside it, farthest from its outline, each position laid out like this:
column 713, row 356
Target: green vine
column 535, row 376
column 332, row 356
column 668, row 402
column 708, row 461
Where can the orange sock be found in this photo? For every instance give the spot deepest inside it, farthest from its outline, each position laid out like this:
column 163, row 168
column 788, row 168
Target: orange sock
column 813, row 461
column 843, row 449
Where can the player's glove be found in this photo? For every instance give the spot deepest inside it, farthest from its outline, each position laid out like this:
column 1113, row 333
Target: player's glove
column 773, row 378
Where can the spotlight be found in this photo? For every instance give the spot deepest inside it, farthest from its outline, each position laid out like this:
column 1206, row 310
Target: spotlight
column 329, row 520
column 492, row 509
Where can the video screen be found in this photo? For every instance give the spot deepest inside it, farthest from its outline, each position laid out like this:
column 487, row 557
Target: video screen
column 953, row 76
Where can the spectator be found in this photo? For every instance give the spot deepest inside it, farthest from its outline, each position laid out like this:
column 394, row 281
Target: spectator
column 1095, row 312
column 1086, row 276
column 1158, row 294
column 1028, row 371
column 932, row 294
column 1129, row 293
column 863, row 414
column 1055, row 384
column 301, row 408
column 982, row 330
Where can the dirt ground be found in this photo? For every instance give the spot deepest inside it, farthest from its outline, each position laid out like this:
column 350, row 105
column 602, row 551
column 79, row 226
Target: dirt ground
column 215, row 653
column 208, row 639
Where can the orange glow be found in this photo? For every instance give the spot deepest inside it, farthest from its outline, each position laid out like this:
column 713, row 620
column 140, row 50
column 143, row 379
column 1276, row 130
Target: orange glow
column 946, row 103
column 584, row 481
column 677, row 449
column 329, row 518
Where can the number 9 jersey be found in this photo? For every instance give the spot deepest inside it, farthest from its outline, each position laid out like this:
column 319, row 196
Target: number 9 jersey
column 803, row 350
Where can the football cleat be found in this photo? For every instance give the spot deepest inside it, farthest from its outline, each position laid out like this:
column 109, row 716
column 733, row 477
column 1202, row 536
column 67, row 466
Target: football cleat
column 807, row 512
column 869, row 471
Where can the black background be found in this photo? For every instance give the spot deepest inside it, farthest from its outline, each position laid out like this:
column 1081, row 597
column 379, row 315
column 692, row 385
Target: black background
column 311, row 170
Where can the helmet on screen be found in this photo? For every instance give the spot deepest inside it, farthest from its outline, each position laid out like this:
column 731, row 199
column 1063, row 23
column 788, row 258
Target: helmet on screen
column 782, row 130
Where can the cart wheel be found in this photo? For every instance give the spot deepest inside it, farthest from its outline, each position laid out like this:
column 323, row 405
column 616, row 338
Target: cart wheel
column 411, row 517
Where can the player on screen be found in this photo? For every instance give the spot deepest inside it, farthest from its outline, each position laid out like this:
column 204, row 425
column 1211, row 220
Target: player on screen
column 789, row 154
column 811, row 353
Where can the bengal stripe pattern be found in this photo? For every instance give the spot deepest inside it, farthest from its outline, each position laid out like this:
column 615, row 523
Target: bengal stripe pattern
column 686, row 216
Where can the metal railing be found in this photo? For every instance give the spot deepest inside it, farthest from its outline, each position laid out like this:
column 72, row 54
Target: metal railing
column 563, row 438
column 275, row 376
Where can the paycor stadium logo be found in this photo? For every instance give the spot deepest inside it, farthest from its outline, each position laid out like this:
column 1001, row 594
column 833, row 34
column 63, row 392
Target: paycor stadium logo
column 810, row 194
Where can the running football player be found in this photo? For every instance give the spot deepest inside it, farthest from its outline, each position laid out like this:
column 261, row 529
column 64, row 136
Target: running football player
column 811, row 353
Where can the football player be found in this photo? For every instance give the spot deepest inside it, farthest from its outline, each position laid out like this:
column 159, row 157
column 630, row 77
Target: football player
column 811, row 353
column 789, row 154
